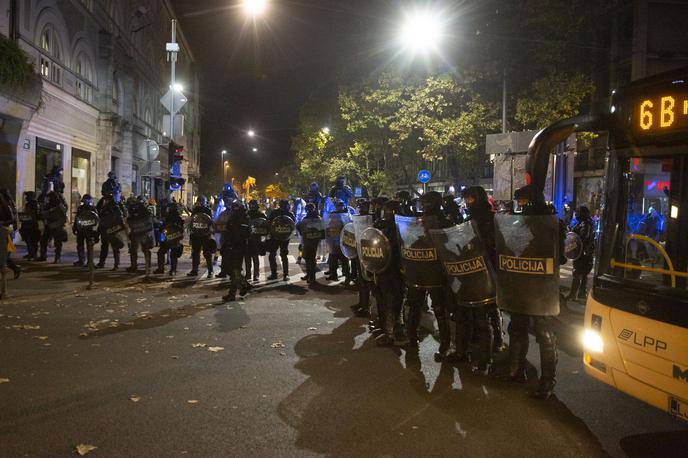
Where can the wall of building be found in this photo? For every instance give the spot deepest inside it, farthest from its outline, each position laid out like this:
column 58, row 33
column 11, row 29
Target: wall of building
column 103, row 69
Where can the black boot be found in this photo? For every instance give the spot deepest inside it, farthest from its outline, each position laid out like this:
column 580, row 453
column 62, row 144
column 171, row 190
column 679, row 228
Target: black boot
column 583, row 291
column 413, row 315
column 161, row 263
column 575, row 285
column 497, row 323
column 445, row 337
column 209, row 265
column 517, row 361
column 173, row 265
column 133, row 259
column 485, row 340
column 548, row 365
column 115, row 254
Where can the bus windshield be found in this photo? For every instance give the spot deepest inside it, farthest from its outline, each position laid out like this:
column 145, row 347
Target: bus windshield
column 650, row 238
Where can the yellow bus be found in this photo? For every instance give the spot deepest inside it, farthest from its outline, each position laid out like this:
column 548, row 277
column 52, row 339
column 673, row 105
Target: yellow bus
column 636, row 321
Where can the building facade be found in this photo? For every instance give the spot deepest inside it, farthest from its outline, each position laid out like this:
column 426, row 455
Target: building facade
column 94, row 106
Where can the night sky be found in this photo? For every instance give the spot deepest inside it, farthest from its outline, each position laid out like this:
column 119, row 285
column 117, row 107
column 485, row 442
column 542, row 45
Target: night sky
column 258, row 75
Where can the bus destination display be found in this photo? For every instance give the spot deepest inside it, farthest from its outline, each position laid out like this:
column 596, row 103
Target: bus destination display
column 664, row 113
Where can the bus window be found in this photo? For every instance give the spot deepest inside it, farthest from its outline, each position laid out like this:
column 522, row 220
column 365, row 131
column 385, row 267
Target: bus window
column 646, row 245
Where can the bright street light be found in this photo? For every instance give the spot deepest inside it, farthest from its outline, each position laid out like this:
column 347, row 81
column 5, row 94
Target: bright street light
column 255, row 150
column 421, row 31
column 178, row 87
column 224, row 151
column 251, row 133
column 255, row 8
column 326, row 130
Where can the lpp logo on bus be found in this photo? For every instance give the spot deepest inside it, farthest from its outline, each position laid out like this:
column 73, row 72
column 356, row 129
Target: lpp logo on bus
column 632, row 337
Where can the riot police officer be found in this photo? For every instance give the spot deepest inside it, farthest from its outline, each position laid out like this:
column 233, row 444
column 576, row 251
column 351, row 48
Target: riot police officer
column 362, row 307
column 518, row 326
column 234, row 249
column 315, row 197
column 336, row 257
column 141, row 233
column 431, row 204
column 255, row 242
column 112, row 215
column 8, row 223
column 201, row 238
column 478, row 209
column 341, row 191
column 85, row 211
column 30, row 230
column 389, row 285
column 282, row 245
column 55, row 216
column 583, row 265
column 310, row 242
column 173, row 233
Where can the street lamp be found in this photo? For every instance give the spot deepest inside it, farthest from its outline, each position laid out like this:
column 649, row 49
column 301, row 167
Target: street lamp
column 251, row 133
column 224, row 165
column 255, row 150
column 326, row 130
column 254, row 8
column 177, row 87
column 421, row 31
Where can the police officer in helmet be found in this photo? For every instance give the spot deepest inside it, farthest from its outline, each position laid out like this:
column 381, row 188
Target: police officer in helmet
column 201, row 237
column 281, row 245
column 86, row 208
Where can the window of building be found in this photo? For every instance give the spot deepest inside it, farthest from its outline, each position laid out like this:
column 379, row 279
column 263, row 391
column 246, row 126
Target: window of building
column 50, row 66
column 84, row 85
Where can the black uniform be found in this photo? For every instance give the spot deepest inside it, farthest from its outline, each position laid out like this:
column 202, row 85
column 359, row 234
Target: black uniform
column 81, row 237
column 202, row 241
column 337, row 258
column 310, row 247
column 142, row 233
column 172, row 222
column 234, row 249
column 415, row 299
column 55, row 217
column 389, row 285
column 469, row 318
column 544, row 335
column 254, row 248
column 30, row 230
column 282, row 246
column 8, row 222
column 583, row 265
column 109, row 210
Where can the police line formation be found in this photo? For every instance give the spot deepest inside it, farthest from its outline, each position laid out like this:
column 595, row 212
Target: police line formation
column 471, row 263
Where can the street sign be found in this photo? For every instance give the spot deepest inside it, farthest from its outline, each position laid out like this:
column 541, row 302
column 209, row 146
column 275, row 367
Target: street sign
column 148, row 150
column 424, row 176
column 173, row 96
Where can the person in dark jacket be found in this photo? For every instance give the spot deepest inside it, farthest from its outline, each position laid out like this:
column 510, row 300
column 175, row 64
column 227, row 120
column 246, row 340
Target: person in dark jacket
column 281, row 245
column 55, row 216
column 141, row 233
column 583, row 265
column 8, row 224
column 310, row 245
column 86, row 208
column 479, row 210
column 173, row 231
column 336, row 257
column 30, row 230
column 255, row 243
column 234, row 250
column 389, row 285
column 201, row 237
column 112, row 214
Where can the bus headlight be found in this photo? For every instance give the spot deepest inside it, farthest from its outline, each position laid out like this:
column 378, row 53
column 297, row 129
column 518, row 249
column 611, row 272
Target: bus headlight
column 592, row 341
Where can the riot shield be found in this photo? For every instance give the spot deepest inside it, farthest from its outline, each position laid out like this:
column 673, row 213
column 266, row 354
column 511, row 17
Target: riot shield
column 347, row 241
column 112, row 225
column 260, row 227
column 87, row 223
column 312, row 229
column 376, row 251
column 334, row 223
column 55, row 218
column 142, row 229
column 361, row 223
column 28, row 218
column 173, row 235
column 281, row 228
column 221, row 226
column 573, row 246
column 464, row 257
column 528, row 264
column 201, row 225
column 419, row 261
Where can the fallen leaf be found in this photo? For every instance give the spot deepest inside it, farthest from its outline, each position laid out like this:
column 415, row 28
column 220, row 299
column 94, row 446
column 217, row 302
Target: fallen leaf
column 26, row 326
column 278, row 344
column 4, row 380
column 312, row 329
column 243, row 326
column 192, row 401
column 283, row 353
column 173, row 357
column 41, row 337
column 199, row 345
column 79, row 295
column 133, row 398
column 215, row 349
column 83, row 449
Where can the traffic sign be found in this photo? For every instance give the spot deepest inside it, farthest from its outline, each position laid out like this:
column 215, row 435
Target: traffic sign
column 173, row 99
column 424, row 176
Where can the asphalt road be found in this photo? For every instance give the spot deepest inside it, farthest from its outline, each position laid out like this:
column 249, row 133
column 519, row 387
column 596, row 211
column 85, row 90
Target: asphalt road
column 166, row 369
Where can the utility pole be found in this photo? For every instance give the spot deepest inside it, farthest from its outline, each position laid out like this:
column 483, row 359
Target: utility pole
column 172, row 50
